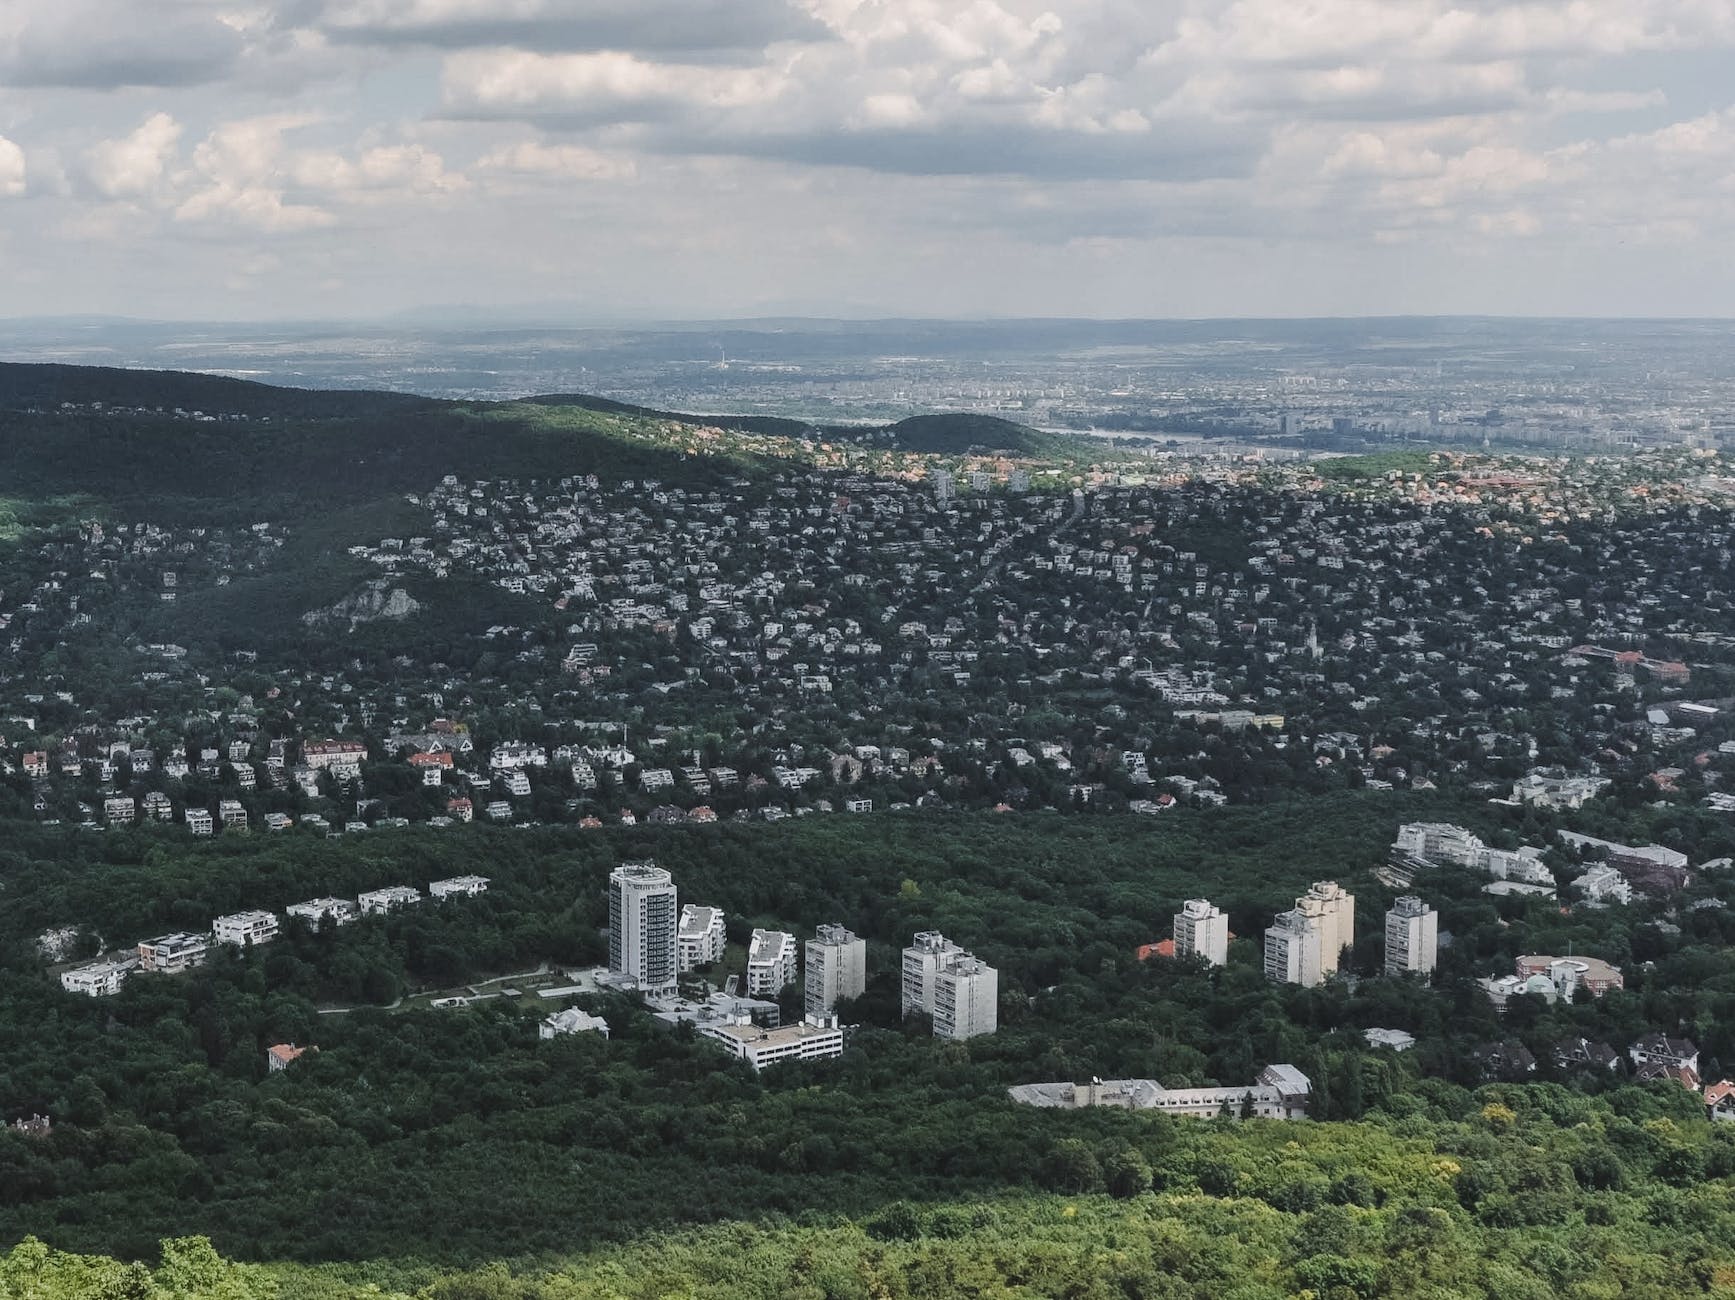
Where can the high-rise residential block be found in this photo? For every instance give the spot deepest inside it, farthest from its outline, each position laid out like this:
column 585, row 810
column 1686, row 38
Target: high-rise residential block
column 1201, row 930
column 1337, row 921
column 836, row 969
column 922, row 959
column 966, row 997
column 1412, row 937
column 642, row 922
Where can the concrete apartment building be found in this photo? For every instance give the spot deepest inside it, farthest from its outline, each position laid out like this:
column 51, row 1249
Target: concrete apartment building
column 1201, row 930
column 700, row 937
column 459, row 887
column 772, row 956
column 959, row 991
column 966, row 998
column 1412, row 937
column 1304, row 944
column 1337, row 920
column 173, row 952
column 836, row 969
column 1292, row 949
column 244, row 929
column 642, row 922
column 922, row 960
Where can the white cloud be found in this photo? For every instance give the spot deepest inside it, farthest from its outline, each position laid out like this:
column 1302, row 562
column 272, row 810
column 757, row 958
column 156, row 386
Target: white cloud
column 569, row 162
column 1019, row 130
column 135, row 163
column 12, row 173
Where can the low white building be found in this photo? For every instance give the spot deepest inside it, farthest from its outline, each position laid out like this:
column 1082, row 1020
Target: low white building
column 1396, row 1039
column 1603, row 884
column 815, row 1038
column 459, row 886
column 377, row 902
column 573, row 1020
column 317, row 911
column 244, row 929
column 173, row 952
column 100, row 979
column 1280, row 1092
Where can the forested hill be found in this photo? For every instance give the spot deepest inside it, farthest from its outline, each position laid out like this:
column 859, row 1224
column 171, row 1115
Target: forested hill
column 191, row 444
column 32, row 387
column 951, row 433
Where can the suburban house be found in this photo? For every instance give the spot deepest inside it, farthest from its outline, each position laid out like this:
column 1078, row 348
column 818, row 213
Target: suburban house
column 377, row 902
column 571, row 1021
column 282, row 1055
column 99, row 979
column 317, row 911
column 244, row 929
column 173, row 952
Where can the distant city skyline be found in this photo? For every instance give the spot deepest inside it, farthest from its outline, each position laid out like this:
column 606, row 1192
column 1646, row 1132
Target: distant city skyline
column 731, row 159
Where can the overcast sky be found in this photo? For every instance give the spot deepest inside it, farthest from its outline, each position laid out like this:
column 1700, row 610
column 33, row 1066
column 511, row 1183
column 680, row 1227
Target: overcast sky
column 251, row 159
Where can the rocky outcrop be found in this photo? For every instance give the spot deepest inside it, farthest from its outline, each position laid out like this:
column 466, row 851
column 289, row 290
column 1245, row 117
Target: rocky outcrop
column 376, row 600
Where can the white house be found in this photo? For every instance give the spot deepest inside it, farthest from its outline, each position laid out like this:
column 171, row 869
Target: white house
column 460, row 886
column 377, row 902
column 100, row 979
column 571, row 1021
column 243, row 929
column 317, row 911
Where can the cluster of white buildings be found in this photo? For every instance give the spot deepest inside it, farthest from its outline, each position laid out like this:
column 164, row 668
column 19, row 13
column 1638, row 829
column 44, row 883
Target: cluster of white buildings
column 181, row 950
column 653, row 940
column 1439, row 844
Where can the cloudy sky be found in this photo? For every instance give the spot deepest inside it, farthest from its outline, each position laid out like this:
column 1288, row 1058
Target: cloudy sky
column 252, row 159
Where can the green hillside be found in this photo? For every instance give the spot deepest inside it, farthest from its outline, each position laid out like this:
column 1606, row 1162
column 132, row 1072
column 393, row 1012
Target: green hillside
column 956, row 434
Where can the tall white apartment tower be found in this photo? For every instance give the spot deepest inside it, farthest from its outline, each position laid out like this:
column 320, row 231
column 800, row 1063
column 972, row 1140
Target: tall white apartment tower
column 836, row 969
column 1412, row 937
column 922, row 962
column 1336, row 921
column 966, row 997
column 1292, row 948
column 1202, row 931
column 642, row 923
